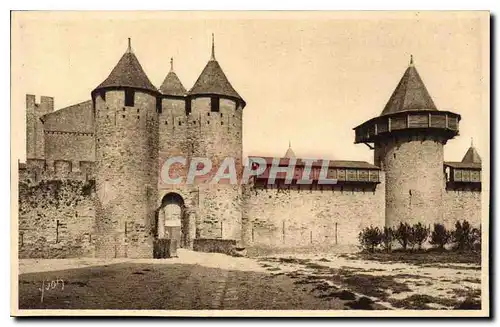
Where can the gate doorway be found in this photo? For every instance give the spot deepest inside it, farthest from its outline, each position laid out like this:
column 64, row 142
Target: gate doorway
column 173, row 221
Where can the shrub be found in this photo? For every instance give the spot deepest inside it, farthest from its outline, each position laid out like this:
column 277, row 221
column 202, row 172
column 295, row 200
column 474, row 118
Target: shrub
column 369, row 238
column 419, row 234
column 440, row 236
column 387, row 239
column 476, row 239
column 404, row 235
column 464, row 236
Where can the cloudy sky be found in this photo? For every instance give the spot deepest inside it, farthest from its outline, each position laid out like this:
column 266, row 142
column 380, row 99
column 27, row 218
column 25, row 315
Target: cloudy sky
column 306, row 77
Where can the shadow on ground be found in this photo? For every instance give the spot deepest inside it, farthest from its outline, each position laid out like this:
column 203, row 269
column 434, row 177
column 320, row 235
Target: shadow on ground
column 166, row 286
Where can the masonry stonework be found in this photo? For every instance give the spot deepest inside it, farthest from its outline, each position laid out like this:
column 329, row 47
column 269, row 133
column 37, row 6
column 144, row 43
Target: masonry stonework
column 56, row 218
column 35, row 141
column 126, row 174
column 464, row 204
column 327, row 215
column 414, row 179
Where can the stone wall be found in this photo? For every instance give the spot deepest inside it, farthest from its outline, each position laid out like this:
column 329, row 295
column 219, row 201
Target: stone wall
column 75, row 118
column 37, row 170
column 56, row 219
column 126, row 174
column 216, row 136
column 463, row 204
column 297, row 218
column 220, row 212
column 34, row 126
column 172, row 128
column 72, row 146
column 414, row 178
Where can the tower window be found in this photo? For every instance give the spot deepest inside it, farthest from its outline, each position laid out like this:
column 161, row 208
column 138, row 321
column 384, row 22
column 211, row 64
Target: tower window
column 129, row 98
column 188, row 106
column 214, row 104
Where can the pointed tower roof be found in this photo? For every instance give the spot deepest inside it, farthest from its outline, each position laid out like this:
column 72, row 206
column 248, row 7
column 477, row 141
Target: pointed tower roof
column 289, row 153
column 172, row 84
column 410, row 94
column 471, row 156
column 212, row 80
column 128, row 72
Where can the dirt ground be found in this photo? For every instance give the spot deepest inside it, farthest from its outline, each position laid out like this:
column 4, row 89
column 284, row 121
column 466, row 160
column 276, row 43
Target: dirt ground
column 215, row 281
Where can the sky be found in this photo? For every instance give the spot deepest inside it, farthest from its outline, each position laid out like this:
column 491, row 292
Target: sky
column 307, row 77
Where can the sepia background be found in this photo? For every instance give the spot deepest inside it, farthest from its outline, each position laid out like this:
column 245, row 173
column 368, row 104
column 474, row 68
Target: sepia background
column 308, row 78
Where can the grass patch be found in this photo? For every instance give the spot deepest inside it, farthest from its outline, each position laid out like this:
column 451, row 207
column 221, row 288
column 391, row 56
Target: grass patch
column 374, row 286
column 467, row 293
column 422, row 257
column 469, row 304
column 421, row 301
column 313, row 265
column 363, row 303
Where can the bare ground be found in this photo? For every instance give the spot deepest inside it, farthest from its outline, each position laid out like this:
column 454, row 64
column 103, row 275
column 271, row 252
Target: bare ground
column 279, row 282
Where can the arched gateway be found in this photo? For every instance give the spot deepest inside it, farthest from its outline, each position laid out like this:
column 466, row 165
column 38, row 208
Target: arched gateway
column 172, row 220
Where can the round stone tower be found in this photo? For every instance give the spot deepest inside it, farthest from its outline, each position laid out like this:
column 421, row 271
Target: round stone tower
column 215, row 113
column 408, row 139
column 126, row 136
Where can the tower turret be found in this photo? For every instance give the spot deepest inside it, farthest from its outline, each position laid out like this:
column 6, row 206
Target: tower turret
column 215, row 112
column 408, row 139
column 126, row 136
column 471, row 156
column 172, row 115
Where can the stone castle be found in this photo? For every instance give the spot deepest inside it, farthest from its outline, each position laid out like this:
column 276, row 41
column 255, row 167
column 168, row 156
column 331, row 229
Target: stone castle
column 91, row 187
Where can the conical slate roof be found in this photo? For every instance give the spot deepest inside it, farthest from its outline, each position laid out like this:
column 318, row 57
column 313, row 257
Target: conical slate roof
column 172, row 84
column 212, row 80
column 410, row 94
column 471, row 156
column 128, row 72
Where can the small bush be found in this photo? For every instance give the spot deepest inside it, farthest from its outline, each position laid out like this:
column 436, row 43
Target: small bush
column 419, row 234
column 369, row 238
column 387, row 239
column 403, row 234
column 464, row 236
column 476, row 240
column 440, row 236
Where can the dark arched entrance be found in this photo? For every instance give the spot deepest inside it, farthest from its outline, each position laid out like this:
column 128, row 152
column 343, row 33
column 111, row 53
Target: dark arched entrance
column 172, row 219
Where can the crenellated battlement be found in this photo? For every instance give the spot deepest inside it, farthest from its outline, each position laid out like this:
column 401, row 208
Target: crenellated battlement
column 33, row 171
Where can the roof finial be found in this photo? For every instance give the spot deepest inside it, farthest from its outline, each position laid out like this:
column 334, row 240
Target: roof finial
column 289, row 144
column 471, row 142
column 213, row 48
column 411, row 60
column 171, row 64
column 129, row 49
